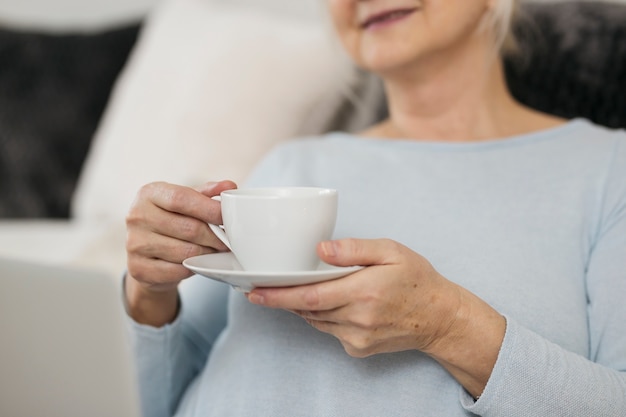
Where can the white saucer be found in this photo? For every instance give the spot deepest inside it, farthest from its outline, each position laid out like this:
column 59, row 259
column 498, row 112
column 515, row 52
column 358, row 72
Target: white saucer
column 224, row 267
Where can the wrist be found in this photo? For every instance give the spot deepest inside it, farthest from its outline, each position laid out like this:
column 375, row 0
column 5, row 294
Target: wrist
column 149, row 305
column 470, row 344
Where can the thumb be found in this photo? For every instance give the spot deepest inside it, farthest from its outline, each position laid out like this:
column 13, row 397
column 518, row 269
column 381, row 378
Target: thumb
column 364, row 252
column 212, row 189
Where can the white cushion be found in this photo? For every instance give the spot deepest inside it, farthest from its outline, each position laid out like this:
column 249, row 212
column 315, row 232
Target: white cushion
column 207, row 91
column 303, row 9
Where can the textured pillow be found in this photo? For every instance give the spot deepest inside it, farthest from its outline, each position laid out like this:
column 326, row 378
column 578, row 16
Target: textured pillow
column 573, row 60
column 53, row 89
column 207, row 91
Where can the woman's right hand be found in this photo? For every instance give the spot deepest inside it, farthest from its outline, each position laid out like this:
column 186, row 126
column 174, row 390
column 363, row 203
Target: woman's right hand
column 166, row 224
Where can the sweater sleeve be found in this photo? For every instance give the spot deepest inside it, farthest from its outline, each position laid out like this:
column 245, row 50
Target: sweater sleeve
column 534, row 377
column 167, row 359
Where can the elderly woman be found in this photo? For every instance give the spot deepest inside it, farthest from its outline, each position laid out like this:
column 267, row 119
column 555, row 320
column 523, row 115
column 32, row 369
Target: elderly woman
column 493, row 239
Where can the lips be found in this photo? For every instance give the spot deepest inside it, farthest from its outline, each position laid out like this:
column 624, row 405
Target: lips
column 386, row 17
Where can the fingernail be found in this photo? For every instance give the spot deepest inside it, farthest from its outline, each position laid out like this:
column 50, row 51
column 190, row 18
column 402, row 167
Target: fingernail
column 255, row 298
column 328, row 248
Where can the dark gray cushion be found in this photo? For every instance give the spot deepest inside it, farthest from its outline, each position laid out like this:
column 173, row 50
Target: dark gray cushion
column 53, row 89
column 573, row 60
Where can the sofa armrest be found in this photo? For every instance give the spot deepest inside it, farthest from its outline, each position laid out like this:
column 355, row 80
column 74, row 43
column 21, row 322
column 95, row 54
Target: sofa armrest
column 65, row 243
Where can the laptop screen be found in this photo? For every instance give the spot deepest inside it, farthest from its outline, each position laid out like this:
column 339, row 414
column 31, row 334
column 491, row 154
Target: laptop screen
column 63, row 345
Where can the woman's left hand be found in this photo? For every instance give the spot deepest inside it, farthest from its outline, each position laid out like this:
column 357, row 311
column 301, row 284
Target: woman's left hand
column 399, row 302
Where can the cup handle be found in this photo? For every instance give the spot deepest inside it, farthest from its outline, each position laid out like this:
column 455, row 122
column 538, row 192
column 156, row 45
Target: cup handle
column 219, row 232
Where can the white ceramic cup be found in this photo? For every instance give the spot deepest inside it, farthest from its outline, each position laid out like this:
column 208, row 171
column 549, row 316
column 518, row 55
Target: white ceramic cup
column 278, row 228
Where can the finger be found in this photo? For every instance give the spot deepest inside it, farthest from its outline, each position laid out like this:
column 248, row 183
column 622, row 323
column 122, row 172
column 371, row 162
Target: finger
column 156, row 272
column 349, row 252
column 167, row 248
column 354, row 295
column 356, row 343
column 151, row 218
column 185, row 228
column 329, row 316
column 329, row 295
column 182, row 200
column 212, row 189
column 323, row 326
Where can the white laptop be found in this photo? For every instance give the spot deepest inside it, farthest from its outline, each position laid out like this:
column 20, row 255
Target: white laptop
column 63, row 346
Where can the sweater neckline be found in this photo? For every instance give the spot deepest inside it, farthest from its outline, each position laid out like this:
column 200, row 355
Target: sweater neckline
column 517, row 140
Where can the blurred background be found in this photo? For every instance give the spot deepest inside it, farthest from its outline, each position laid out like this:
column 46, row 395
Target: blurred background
column 70, row 15
column 64, row 15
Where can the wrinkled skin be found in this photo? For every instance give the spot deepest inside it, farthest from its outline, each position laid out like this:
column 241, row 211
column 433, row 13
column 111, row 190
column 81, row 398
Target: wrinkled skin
column 399, row 302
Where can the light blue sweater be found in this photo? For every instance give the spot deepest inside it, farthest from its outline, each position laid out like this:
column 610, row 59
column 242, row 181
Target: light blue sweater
column 534, row 224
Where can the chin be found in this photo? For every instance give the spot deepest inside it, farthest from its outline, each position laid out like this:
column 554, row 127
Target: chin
column 383, row 56
column 382, row 64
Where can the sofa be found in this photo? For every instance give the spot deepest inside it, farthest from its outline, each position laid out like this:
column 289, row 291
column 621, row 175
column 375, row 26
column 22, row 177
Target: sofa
column 201, row 89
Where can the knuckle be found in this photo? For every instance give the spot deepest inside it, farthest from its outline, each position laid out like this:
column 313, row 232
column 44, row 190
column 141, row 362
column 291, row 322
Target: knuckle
column 357, row 345
column 355, row 353
column 143, row 193
column 172, row 197
column 146, row 191
column 135, row 218
column 190, row 229
column 136, row 215
column 130, row 219
column 131, row 244
column 176, row 273
column 311, row 299
column 151, row 273
column 134, row 244
column 176, row 200
column 392, row 245
column 136, row 268
column 190, row 250
column 367, row 321
column 373, row 303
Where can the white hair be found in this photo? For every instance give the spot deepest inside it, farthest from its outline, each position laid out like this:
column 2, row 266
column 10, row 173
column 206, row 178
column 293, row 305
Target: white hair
column 501, row 21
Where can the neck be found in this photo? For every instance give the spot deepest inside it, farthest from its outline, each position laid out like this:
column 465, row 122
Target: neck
column 459, row 97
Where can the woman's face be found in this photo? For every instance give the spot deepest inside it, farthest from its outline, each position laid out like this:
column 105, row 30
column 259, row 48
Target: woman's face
column 386, row 35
